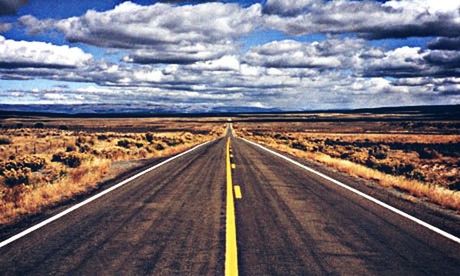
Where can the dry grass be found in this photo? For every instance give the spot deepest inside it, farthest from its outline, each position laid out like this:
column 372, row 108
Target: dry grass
column 337, row 151
column 42, row 167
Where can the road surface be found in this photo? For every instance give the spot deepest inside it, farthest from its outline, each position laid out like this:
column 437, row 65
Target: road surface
column 172, row 220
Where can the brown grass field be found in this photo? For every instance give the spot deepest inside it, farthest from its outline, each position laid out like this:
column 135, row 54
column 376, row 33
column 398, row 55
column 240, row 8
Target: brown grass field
column 418, row 157
column 44, row 161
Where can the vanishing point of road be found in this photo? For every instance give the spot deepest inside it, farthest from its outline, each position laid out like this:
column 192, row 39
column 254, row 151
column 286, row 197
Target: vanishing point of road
column 230, row 207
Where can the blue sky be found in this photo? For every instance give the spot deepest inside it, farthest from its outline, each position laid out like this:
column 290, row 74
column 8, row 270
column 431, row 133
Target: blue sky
column 292, row 55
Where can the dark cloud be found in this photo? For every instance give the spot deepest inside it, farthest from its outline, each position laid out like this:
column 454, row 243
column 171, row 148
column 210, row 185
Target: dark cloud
column 289, row 7
column 14, row 65
column 10, row 7
column 369, row 19
column 444, row 58
column 445, row 43
column 180, row 54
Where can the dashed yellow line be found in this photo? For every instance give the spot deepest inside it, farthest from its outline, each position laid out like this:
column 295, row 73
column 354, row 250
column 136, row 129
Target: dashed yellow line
column 233, row 166
column 238, row 194
column 231, row 251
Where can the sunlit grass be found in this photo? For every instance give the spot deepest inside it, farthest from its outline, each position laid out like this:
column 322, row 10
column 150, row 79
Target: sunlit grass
column 42, row 167
column 312, row 147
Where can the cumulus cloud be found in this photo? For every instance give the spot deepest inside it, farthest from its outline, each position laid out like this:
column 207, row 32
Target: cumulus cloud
column 390, row 19
column 290, row 53
column 400, row 62
column 412, row 62
column 161, row 33
column 225, row 63
column 275, row 72
column 5, row 27
column 193, row 54
column 17, row 54
column 181, row 53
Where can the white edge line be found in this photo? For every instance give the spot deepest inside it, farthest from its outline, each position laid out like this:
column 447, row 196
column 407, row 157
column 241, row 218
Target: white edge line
column 366, row 196
column 76, row 206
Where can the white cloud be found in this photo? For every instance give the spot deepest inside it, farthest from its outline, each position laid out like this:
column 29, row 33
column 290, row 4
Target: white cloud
column 330, row 53
column 225, row 63
column 5, row 27
column 40, row 54
column 192, row 53
column 160, row 33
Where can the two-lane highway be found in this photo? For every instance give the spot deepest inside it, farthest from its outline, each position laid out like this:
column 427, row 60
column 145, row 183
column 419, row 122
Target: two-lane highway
column 177, row 219
column 168, row 221
column 292, row 222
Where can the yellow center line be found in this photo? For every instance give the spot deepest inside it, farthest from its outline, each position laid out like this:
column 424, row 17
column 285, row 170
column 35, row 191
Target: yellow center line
column 238, row 194
column 231, row 255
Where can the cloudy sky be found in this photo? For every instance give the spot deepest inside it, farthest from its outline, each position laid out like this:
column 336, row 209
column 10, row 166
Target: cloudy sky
column 287, row 54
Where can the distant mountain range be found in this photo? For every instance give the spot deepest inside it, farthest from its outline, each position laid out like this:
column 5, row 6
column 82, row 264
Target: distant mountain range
column 146, row 110
column 127, row 109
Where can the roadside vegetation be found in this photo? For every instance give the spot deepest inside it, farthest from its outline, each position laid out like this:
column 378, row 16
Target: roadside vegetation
column 41, row 166
column 423, row 165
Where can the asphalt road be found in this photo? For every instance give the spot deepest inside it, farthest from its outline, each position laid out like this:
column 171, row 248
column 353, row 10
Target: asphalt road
column 288, row 222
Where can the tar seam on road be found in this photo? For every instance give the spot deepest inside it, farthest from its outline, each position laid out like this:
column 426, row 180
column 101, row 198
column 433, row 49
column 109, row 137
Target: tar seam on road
column 75, row 207
column 231, row 251
column 366, row 196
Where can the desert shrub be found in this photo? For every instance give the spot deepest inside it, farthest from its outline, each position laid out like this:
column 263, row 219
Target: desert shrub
column 63, row 127
column 418, row 175
column 139, row 145
column 298, row 145
column 102, row 137
column 39, row 125
column 386, row 168
column 427, row 153
column 371, row 162
column 5, row 140
column 124, row 143
column 405, row 169
column 378, row 152
column 280, row 136
column 159, row 146
column 80, row 140
column 172, row 141
column 70, row 148
column 455, row 186
column 84, row 148
column 329, row 142
column 149, row 137
column 16, row 177
column 33, row 163
column 71, row 160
